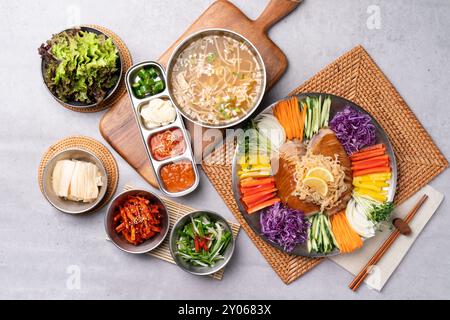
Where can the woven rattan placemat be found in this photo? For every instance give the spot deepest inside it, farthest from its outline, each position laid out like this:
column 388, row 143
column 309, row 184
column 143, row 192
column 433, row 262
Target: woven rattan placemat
column 127, row 62
column 356, row 77
column 96, row 148
column 176, row 211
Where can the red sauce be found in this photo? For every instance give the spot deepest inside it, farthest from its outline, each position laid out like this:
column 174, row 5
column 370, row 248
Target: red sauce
column 167, row 144
column 177, row 176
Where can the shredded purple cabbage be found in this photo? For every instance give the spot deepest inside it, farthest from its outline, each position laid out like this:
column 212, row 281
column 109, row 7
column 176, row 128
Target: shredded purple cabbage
column 354, row 129
column 284, row 226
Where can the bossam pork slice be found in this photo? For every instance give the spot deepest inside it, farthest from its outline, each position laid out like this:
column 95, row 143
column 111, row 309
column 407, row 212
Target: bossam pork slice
column 290, row 153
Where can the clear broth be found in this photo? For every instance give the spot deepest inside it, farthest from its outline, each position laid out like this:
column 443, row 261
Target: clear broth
column 216, row 80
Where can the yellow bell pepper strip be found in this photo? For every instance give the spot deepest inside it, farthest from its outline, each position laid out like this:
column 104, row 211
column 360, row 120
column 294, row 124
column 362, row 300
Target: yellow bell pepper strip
column 254, row 174
column 254, row 167
column 368, row 186
column 371, row 194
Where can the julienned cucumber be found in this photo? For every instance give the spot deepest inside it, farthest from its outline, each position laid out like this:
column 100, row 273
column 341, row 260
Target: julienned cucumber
column 320, row 236
column 308, row 117
column 326, row 111
column 308, row 242
column 317, row 115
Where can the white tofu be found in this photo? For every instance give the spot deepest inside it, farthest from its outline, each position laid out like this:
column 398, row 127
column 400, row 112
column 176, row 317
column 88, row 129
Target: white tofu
column 62, row 176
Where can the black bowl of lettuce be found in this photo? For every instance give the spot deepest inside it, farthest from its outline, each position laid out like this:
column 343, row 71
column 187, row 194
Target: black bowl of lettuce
column 81, row 67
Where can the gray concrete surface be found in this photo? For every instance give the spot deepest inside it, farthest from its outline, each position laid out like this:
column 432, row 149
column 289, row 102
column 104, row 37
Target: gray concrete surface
column 39, row 244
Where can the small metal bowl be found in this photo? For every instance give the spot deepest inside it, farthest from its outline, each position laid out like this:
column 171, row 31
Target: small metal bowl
column 221, row 32
column 109, row 92
column 118, row 240
column 67, row 206
column 198, row 270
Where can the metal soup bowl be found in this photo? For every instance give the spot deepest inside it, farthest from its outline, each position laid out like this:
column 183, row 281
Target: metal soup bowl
column 221, row 32
column 109, row 92
column 186, row 266
column 118, row 240
column 68, row 206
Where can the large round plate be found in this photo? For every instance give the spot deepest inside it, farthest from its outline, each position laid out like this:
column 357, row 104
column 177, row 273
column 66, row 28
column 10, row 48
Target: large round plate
column 337, row 104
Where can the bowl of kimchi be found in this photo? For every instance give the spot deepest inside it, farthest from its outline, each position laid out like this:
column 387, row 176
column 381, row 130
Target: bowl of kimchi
column 137, row 221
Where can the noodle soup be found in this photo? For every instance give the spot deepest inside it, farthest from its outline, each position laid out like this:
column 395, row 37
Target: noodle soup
column 217, row 80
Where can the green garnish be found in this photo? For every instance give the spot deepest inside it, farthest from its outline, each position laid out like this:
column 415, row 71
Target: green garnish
column 203, row 241
column 211, row 57
column 147, row 82
column 381, row 212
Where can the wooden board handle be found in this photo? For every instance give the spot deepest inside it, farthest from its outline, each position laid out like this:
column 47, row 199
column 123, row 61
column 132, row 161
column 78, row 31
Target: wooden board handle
column 274, row 12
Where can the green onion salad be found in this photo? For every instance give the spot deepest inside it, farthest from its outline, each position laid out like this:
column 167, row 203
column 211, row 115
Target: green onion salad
column 203, row 241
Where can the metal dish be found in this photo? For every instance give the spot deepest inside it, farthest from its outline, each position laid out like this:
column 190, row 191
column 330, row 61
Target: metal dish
column 118, row 240
column 197, row 270
column 207, row 32
column 67, row 206
column 109, row 92
column 337, row 104
column 147, row 133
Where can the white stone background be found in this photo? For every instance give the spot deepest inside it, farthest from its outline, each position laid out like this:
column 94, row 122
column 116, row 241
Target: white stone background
column 39, row 244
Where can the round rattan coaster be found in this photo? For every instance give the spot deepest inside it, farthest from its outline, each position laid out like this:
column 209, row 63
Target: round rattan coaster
column 96, row 148
column 127, row 62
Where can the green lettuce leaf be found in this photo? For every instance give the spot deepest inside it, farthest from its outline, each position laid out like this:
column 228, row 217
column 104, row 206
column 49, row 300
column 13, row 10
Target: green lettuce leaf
column 80, row 66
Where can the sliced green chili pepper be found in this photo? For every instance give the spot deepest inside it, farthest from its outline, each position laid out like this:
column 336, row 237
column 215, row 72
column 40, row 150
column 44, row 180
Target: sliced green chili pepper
column 147, row 82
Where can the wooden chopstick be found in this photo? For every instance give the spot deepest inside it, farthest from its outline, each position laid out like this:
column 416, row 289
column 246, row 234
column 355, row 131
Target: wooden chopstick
column 354, row 285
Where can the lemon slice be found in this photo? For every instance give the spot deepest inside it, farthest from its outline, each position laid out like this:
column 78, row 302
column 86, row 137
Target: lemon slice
column 321, row 173
column 317, row 184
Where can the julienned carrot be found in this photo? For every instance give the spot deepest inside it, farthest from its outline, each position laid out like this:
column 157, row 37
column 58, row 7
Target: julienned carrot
column 374, row 164
column 263, row 205
column 367, row 155
column 280, row 113
column 261, row 199
column 259, row 188
column 290, row 116
column 295, row 118
column 261, row 185
column 347, row 239
column 371, row 148
column 371, row 170
column 252, row 182
column 256, row 196
column 287, row 111
column 340, row 233
column 293, row 104
column 383, row 157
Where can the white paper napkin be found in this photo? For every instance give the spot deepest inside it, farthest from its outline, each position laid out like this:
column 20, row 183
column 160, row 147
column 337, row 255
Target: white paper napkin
column 380, row 273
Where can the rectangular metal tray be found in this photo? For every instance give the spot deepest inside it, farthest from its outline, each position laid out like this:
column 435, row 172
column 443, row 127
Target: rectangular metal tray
column 146, row 133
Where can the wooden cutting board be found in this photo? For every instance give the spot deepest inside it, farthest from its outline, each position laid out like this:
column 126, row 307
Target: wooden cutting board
column 118, row 126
